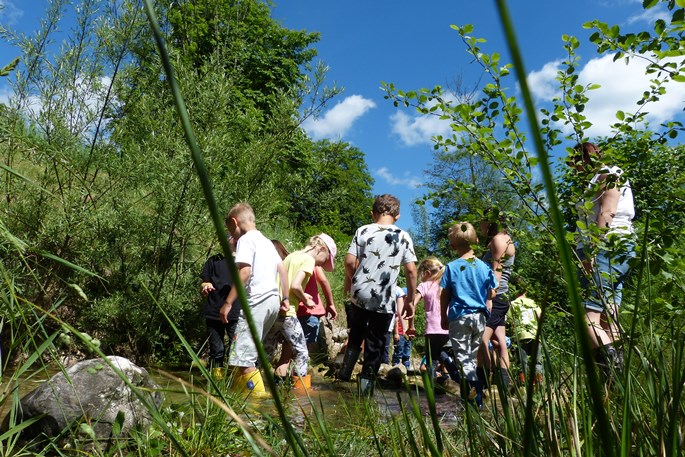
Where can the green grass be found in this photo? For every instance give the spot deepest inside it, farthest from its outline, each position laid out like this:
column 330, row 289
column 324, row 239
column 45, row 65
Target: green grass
column 572, row 413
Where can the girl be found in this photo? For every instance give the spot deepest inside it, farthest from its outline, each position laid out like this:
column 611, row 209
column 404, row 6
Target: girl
column 437, row 339
column 320, row 251
column 500, row 256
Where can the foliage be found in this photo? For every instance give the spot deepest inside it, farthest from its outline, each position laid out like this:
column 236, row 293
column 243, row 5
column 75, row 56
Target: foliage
column 97, row 173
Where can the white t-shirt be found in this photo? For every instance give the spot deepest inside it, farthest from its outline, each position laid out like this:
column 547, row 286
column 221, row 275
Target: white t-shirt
column 625, row 209
column 258, row 251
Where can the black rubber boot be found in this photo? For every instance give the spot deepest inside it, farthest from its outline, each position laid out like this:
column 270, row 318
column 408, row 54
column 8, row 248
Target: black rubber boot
column 448, row 362
column 349, row 361
column 483, row 377
column 476, row 393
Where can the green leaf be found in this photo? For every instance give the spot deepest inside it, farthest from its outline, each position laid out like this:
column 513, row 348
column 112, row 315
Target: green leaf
column 7, row 69
column 646, row 4
column 88, row 430
column 118, row 423
column 620, row 115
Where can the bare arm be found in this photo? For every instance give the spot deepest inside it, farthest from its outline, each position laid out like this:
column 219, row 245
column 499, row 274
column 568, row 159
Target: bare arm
column 445, row 298
column 327, row 292
column 244, row 271
column 351, row 263
column 410, row 275
column 285, row 287
column 297, row 290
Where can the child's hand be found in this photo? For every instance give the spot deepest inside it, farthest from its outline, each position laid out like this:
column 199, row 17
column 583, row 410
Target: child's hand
column 332, row 312
column 206, row 288
column 410, row 333
column 396, row 337
column 285, row 306
column 309, row 301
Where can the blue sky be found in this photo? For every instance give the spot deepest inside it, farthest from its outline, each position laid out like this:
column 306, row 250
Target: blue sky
column 412, row 45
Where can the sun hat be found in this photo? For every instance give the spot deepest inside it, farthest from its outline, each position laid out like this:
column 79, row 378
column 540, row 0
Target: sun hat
column 332, row 250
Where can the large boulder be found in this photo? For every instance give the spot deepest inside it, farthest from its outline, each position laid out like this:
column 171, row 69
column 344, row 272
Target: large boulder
column 89, row 392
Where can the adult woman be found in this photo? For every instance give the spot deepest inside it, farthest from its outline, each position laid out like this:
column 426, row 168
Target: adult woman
column 605, row 247
column 500, row 256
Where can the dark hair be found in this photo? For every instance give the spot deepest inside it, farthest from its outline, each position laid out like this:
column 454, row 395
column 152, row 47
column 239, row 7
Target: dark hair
column 280, row 248
column 588, row 153
column 497, row 220
column 386, row 204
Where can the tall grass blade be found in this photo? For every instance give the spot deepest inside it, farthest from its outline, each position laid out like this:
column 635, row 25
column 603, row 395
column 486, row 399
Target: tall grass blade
column 291, row 436
column 594, row 385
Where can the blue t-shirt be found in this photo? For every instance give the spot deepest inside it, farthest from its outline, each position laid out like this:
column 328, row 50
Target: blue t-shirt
column 469, row 282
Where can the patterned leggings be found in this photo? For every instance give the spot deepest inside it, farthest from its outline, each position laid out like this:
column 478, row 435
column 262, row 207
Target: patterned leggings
column 290, row 330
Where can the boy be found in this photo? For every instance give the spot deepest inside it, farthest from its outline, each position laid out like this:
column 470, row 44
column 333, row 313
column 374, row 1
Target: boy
column 258, row 263
column 216, row 284
column 372, row 265
column 467, row 284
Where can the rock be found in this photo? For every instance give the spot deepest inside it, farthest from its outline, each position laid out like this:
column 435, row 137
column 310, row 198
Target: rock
column 91, row 392
column 396, row 373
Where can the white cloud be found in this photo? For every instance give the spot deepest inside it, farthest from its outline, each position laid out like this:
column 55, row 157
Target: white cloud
column 339, row 119
column 418, row 129
column 9, row 13
column 407, row 180
column 650, row 16
column 543, row 83
column 621, row 87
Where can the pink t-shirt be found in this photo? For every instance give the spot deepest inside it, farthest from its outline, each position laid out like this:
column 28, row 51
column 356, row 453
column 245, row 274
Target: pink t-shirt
column 430, row 293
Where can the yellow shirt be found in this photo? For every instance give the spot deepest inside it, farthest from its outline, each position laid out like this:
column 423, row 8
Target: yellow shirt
column 294, row 263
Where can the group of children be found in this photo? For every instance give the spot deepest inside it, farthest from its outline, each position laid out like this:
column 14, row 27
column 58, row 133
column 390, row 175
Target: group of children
column 282, row 297
column 457, row 299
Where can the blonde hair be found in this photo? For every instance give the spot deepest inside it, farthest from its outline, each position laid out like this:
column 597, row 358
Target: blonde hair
column 462, row 236
column 433, row 266
column 315, row 242
column 241, row 211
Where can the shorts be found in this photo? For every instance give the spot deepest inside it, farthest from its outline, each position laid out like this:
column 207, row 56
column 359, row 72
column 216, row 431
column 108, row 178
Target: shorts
column 243, row 350
column 612, row 267
column 500, row 308
column 310, row 326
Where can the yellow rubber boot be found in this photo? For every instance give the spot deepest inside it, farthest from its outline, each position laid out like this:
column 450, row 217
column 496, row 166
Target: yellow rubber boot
column 218, row 373
column 302, row 385
column 250, row 384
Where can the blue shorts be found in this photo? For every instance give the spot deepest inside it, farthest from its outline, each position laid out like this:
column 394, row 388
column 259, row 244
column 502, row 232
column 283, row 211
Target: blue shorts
column 310, row 326
column 610, row 273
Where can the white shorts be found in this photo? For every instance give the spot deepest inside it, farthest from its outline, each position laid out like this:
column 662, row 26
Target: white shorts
column 243, row 350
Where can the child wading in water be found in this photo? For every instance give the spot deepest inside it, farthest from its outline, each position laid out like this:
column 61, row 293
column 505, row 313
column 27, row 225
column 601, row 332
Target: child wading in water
column 437, row 338
column 467, row 284
column 300, row 265
column 372, row 264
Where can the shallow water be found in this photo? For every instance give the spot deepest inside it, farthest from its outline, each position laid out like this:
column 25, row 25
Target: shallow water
column 336, row 401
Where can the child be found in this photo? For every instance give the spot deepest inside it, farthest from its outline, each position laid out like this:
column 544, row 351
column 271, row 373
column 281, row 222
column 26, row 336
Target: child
column 437, row 338
column 310, row 318
column 372, row 265
column 525, row 314
column 258, row 264
column 215, row 286
column 467, row 284
column 402, row 350
column 300, row 265
column 393, row 334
